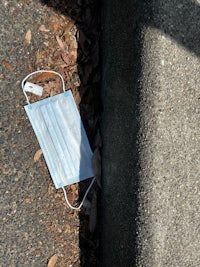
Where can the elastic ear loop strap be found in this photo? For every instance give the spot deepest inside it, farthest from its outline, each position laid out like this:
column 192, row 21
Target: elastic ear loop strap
column 63, row 86
column 40, row 71
column 81, row 204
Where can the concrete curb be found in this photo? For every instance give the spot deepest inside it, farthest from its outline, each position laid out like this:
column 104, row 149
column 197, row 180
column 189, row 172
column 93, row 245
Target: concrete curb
column 150, row 125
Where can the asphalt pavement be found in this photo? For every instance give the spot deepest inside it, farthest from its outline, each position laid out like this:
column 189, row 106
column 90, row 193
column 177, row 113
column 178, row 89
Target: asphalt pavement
column 35, row 222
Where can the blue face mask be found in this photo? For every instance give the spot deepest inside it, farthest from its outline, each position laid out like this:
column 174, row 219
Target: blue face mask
column 61, row 135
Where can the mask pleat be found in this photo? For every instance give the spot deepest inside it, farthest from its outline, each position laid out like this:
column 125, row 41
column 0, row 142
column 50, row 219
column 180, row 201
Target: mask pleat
column 46, row 142
column 68, row 128
column 51, row 117
column 84, row 146
column 78, row 140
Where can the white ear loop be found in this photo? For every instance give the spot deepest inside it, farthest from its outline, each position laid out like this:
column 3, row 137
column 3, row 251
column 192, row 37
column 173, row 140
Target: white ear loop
column 81, row 204
column 40, row 71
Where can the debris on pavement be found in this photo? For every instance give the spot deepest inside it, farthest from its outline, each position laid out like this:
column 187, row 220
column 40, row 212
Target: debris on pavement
column 37, row 155
column 7, row 65
column 28, row 36
column 52, row 261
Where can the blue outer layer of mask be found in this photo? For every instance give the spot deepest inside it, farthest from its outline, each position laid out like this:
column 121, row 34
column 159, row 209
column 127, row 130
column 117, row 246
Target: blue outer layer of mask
column 62, row 138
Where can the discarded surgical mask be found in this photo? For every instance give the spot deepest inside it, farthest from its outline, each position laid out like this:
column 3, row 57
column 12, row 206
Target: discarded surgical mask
column 61, row 135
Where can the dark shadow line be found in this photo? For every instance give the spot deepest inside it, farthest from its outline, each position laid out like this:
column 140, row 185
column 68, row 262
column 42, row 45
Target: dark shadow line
column 81, row 13
column 182, row 23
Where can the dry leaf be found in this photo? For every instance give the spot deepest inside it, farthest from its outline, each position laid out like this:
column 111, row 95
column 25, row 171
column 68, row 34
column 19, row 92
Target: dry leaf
column 56, row 23
column 66, row 59
column 42, row 28
column 60, row 43
column 69, row 26
column 68, row 229
column 42, row 77
column 28, row 37
column 27, row 200
column 53, row 261
column 7, row 65
column 37, row 155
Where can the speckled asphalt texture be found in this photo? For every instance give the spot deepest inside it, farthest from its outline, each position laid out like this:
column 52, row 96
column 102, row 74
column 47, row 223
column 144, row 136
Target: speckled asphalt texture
column 151, row 154
column 33, row 214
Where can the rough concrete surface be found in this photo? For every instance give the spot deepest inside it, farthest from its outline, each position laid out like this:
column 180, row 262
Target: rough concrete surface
column 169, row 115
column 150, row 91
